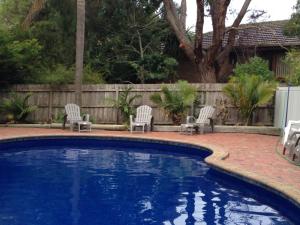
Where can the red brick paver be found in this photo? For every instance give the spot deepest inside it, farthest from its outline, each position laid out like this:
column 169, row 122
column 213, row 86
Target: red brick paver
column 250, row 152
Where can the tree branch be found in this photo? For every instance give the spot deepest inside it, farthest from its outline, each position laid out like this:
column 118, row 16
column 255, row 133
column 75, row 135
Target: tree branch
column 237, row 21
column 218, row 14
column 183, row 13
column 177, row 27
column 199, row 31
column 34, row 11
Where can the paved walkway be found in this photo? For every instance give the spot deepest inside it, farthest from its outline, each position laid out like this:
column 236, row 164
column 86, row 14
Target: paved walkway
column 247, row 152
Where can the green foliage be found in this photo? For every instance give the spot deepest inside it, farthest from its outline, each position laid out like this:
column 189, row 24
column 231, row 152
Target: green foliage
column 176, row 101
column 248, row 92
column 18, row 58
column 125, row 103
column 16, row 107
column 135, row 31
column 13, row 11
column 62, row 75
column 59, row 75
column 90, row 76
column 119, row 33
column 292, row 27
column 158, row 68
column 255, row 66
column 293, row 60
column 59, row 117
column 57, row 42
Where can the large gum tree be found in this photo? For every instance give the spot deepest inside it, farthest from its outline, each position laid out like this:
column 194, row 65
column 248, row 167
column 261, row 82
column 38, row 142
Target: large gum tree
column 212, row 64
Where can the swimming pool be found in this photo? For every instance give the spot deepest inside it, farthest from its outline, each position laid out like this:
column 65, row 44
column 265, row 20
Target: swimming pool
column 87, row 181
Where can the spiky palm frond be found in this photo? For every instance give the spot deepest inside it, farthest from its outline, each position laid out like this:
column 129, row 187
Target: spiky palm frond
column 156, row 98
column 125, row 103
column 18, row 106
column 265, row 92
column 187, row 91
column 248, row 92
column 175, row 101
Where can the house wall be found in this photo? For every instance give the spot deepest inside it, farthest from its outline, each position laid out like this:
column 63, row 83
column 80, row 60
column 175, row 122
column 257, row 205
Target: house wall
column 275, row 56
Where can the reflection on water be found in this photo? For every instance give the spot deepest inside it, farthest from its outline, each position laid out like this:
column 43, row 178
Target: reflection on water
column 87, row 187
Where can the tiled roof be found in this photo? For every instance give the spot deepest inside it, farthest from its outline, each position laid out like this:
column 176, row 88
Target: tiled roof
column 265, row 34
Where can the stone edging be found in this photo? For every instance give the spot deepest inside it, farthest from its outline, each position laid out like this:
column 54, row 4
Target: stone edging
column 165, row 128
column 217, row 160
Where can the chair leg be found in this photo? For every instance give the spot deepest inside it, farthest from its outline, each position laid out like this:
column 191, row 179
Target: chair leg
column 284, row 150
column 201, row 128
column 211, row 121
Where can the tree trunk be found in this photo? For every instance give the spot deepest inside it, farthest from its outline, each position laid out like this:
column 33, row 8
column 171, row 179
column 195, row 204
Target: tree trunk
column 35, row 9
column 173, row 19
column 183, row 13
column 213, row 64
column 207, row 74
column 80, row 30
column 224, row 69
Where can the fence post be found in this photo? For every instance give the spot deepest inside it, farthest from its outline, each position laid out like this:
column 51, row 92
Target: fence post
column 50, row 105
column 117, row 98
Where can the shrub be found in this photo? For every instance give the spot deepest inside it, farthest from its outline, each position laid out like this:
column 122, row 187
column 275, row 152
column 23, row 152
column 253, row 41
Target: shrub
column 16, row 107
column 176, row 101
column 19, row 59
column 248, row 92
column 57, row 76
column 125, row 103
column 155, row 68
column 90, row 76
column 255, row 66
column 292, row 59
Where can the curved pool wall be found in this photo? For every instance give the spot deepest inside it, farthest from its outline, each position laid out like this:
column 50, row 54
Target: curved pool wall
column 269, row 197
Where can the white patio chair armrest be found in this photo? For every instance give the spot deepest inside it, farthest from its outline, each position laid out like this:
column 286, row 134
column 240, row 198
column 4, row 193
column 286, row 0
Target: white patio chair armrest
column 190, row 119
column 86, row 117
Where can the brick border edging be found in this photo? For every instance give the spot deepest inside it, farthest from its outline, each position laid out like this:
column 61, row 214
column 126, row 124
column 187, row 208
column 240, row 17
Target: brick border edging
column 217, row 160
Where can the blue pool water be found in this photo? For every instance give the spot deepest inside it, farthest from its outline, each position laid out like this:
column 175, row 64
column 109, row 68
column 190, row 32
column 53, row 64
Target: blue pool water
column 77, row 181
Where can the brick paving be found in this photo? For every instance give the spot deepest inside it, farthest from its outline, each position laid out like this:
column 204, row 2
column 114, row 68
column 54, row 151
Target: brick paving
column 248, row 152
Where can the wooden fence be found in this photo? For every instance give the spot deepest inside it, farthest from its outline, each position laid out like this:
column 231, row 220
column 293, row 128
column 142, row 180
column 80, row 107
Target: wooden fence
column 51, row 101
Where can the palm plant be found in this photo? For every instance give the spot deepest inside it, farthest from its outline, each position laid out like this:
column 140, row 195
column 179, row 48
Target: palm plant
column 125, row 103
column 16, row 107
column 248, row 92
column 176, row 101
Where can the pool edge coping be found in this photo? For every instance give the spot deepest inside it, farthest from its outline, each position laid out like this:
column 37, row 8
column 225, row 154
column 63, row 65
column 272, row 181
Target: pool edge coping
column 216, row 160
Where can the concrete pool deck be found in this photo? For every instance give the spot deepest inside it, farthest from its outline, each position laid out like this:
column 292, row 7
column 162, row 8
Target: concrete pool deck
column 251, row 156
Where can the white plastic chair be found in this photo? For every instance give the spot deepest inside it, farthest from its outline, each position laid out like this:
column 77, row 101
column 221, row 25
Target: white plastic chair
column 291, row 139
column 74, row 118
column 292, row 126
column 205, row 117
column 142, row 119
